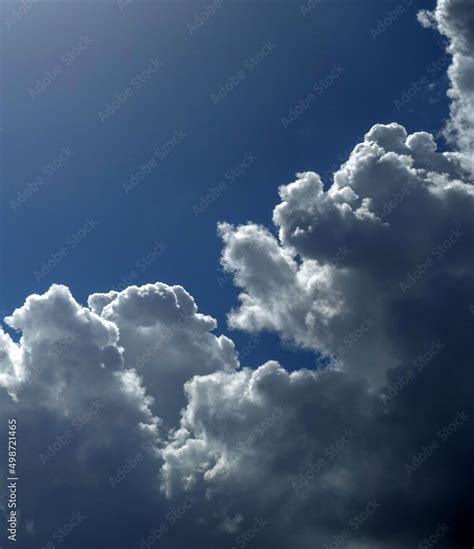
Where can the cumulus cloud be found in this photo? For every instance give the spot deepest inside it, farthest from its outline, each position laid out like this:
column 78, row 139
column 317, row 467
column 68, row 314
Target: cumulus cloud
column 80, row 414
column 455, row 20
column 166, row 340
column 95, row 392
column 270, row 444
column 345, row 258
column 132, row 411
column 376, row 273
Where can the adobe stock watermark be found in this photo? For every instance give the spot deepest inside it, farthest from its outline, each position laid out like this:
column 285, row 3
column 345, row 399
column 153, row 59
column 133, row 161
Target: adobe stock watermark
column 171, row 518
column 12, row 479
column 77, row 424
column 137, row 81
column 393, row 202
column 318, row 88
column 433, row 539
column 443, row 434
column 389, row 18
column 353, row 525
column 66, row 59
column 248, row 66
column 71, row 242
column 259, row 430
column 123, row 4
column 17, row 13
column 229, row 178
column 55, row 351
column 323, row 462
column 226, row 274
column 437, row 253
column 60, row 534
column 420, row 83
column 146, row 356
column 9, row 503
column 338, row 259
column 47, row 171
column 140, row 266
column 250, row 346
column 166, row 334
column 242, row 540
column 418, row 364
column 340, row 159
column 131, row 463
column 159, row 154
column 309, row 6
column 201, row 18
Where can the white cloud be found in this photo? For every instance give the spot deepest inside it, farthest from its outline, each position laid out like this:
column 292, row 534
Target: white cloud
column 393, row 205
column 166, row 340
column 303, row 452
column 455, row 20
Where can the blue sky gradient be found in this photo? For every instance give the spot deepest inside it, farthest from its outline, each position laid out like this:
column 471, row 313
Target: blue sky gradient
column 85, row 159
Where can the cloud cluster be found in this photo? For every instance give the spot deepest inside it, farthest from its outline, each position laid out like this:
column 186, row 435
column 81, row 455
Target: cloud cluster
column 132, row 412
column 376, row 273
column 455, row 20
column 95, row 391
column 396, row 221
column 165, row 340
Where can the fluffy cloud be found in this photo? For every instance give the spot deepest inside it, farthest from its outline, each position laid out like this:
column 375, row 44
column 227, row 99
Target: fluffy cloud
column 165, row 340
column 80, row 415
column 349, row 256
column 376, row 273
column 95, row 391
column 455, row 20
column 395, row 225
column 269, row 444
column 132, row 412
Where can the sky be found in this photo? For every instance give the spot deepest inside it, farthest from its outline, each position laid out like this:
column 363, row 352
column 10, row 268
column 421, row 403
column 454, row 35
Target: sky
column 234, row 236
column 96, row 159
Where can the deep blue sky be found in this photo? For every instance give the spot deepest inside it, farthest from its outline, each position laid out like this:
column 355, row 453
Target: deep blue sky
column 178, row 97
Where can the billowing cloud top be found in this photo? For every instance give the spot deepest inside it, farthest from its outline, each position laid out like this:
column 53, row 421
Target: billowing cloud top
column 133, row 412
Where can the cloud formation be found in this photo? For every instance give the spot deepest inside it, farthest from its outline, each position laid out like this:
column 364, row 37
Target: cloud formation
column 165, row 340
column 132, row 411
column 455, row 20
